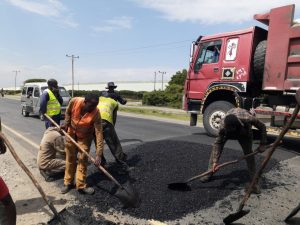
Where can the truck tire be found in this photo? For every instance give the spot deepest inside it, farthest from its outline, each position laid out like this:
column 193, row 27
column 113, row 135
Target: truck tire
column 24, row 112
column 213, row 115
column 259, row 60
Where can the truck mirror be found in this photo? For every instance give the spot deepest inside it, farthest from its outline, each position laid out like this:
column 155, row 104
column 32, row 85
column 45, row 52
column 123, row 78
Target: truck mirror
column 192, row 50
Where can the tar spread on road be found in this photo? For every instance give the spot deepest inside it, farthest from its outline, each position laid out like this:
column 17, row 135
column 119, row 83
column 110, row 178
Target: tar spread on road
column 155, row 165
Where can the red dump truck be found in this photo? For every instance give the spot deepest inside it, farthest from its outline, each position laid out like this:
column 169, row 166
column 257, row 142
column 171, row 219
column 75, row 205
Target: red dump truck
column 251, row 68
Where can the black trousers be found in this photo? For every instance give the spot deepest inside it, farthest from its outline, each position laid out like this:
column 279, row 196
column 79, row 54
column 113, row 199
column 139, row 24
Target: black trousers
column 111, row 138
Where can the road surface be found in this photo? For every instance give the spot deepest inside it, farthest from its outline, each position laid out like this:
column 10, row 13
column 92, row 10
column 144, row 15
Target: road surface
column 160, row 153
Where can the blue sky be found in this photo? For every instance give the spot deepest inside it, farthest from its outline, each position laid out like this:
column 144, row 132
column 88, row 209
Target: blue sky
column 116, row 40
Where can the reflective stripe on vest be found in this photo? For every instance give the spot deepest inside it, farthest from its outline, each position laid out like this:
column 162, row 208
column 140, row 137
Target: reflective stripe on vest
column 53, row 106
column 106, row 107
column 82, row 126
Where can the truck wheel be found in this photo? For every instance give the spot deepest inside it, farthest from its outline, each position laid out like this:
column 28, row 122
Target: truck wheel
column 213, row 115
column 259, row 60
column 24, row 112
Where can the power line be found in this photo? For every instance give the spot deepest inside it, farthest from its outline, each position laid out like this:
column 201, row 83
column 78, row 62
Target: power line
column 138, row 48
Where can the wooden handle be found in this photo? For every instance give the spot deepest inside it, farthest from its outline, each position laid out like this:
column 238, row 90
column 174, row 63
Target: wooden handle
column 222, row 165
column 84, row 152
column 30, row 175
column 270, row 150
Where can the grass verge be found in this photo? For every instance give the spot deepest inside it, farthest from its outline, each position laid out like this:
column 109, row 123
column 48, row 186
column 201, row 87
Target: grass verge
column 158, row 113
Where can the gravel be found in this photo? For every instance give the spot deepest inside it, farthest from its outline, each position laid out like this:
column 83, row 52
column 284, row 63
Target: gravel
column 155, row 165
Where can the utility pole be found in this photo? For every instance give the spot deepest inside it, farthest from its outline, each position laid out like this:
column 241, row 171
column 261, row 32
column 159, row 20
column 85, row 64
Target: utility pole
column 154, row 80
column 162, row 79
column 16, row 74
column 73, row 57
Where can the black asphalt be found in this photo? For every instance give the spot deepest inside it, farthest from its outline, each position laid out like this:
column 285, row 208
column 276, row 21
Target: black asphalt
column 161, row 162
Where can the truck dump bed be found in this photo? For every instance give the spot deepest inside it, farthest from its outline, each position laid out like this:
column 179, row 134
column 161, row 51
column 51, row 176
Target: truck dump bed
column 282, row 63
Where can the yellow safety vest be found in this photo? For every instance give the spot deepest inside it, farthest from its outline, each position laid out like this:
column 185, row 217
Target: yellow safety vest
column 53, row 106
column 106, row 107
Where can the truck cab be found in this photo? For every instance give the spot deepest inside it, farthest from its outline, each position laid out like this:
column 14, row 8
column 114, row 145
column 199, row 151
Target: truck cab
column 246, row 68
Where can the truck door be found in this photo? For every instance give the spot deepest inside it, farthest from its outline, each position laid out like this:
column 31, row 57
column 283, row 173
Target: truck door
column 207, row 67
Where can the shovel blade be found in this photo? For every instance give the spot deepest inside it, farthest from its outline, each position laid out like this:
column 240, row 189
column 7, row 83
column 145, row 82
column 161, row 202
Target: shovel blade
column 179, row 187
column 235, row 216
column 293, row 213
column 65, row 217
column 128, row 196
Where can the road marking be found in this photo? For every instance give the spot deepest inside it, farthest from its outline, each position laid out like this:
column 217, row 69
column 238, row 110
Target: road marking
column 21, row 136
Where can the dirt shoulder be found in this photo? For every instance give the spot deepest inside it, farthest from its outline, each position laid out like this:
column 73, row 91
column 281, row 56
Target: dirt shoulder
column 31, row 208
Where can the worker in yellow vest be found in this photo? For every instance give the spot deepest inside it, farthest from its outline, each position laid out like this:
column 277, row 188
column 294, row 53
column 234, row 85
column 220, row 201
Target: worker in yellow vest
column 108, row 108
column 51, row 102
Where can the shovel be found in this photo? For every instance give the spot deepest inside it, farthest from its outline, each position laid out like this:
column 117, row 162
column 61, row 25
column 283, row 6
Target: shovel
column 61, row 218
column 240, row 212
column 183, row 186
column 293, row 213
column 125, row 193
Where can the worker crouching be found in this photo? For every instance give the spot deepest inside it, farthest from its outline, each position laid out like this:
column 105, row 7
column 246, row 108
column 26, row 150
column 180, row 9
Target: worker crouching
column 51, row 154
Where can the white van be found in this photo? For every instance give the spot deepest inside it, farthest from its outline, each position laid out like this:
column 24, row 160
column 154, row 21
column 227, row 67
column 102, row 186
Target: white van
column 30, row 98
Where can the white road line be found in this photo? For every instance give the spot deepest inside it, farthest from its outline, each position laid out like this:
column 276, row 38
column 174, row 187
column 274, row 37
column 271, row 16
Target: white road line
column 21, row 136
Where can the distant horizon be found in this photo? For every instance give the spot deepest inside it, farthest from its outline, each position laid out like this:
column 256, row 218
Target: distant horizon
column 124, row 85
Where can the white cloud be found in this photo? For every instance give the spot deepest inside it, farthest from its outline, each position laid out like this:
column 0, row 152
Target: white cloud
column 118, row 23
column 48, row 8
column 217, row 11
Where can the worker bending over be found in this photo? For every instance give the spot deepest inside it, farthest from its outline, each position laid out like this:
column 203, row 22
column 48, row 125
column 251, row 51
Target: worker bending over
column 81, row 121
column 237, row 125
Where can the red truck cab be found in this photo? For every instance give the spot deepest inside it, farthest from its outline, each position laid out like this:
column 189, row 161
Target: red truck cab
column 244, row 68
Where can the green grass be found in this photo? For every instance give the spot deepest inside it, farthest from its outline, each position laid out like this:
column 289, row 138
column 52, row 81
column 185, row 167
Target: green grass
column 158, row 113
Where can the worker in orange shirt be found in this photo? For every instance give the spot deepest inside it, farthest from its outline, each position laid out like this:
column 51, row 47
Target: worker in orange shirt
column 81, row 120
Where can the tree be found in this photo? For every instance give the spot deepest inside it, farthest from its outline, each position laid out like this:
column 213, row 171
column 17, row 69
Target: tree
column 179, row 78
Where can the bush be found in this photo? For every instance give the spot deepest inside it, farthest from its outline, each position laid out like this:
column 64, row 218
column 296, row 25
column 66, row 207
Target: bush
column 12, row 92
column 155, row 98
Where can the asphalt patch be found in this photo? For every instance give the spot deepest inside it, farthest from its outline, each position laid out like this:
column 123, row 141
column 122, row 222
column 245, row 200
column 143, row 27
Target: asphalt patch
column 155, row 165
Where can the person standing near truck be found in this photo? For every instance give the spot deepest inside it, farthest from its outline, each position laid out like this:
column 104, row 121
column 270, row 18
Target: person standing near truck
column 82, row 122
column 237, row 125
column 51, row 102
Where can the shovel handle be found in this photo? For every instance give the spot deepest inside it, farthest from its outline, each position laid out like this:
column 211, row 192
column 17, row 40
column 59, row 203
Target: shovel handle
column 222, row 165
column 30, row 175
column 84, row 152
column 270, row 150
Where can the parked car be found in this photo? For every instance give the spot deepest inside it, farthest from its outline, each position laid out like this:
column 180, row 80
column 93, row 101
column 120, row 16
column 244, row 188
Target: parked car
column 30, row 99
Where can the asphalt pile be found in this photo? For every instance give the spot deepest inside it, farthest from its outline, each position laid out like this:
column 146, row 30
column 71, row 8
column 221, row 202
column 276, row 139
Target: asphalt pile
column 155, row 165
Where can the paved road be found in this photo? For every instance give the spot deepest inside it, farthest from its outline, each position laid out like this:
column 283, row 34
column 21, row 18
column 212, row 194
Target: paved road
column 161, row 152
column 130, row 130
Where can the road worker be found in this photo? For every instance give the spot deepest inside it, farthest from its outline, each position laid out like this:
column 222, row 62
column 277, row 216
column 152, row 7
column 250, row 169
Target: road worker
column 7, row 205
column 108, row 107
column 237, row 125
column 51, row 102
column 50, row 160
column 82, row 120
